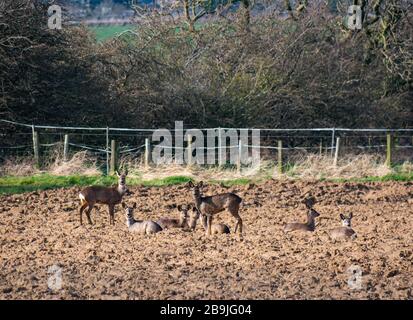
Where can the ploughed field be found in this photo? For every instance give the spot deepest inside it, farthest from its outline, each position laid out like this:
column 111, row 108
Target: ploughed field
column 40, row 230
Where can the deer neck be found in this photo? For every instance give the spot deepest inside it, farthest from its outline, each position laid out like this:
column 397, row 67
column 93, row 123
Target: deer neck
column 198, row 200
column 121, row 189
column 129, row 221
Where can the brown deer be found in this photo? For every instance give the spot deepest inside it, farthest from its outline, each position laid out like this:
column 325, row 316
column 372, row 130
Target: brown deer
column 210, row 205
column 181, row 222
column 139, row 226
column 310, row 224
column 345, row 232
column 218, row 228
column 111, row 196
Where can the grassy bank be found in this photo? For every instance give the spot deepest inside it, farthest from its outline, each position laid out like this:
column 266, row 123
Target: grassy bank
column 13, row 185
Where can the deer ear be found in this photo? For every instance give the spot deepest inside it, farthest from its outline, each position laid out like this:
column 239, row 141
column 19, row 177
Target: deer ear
column 350, row 215
column 342, row 217
column 190, row 184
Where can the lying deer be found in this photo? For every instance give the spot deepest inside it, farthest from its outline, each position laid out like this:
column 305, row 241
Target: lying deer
column 181, row 222
column 218, row 228
column 345, row 232
column 309, row 225
column 111, row 196
column 139, row 226
column 210, row 205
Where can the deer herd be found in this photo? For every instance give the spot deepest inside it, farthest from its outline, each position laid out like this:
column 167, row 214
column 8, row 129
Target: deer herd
column 204, row 209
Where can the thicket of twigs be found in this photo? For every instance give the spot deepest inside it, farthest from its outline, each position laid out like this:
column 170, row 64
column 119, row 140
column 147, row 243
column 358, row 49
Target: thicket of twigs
column 305, row 69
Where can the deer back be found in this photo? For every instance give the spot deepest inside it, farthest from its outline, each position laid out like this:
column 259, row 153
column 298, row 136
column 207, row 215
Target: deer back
column 342, row 233
column 100, row 194
column 218, row 203
column 298, row 226
column 168, row 223
column 145, row 227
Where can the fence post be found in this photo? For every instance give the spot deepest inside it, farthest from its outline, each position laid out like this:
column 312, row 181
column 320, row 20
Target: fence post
column 66, row 148
column 107, row 151
column 280, row 156
column 389, row 150
column 333, row 137
column 113, row 156
column 337, row 151
column 189, row 164
column 36, row 148
column 147, row 152
column 321, row 147
column 220, row 149
column 239, row 156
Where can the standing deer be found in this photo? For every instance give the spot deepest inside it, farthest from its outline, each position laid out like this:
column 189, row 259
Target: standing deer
column 310, row 224
column 111, row 196
column 139, row 226
column 176, row 223
column 345, row 232
column 218, row 228
column 210, row 205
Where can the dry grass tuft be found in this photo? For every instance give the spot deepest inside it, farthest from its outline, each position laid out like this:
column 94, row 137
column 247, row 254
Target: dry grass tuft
column 18, row 167
column 81, row 163
column 351, row 166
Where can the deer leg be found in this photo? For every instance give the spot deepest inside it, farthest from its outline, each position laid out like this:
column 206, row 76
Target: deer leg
column 88, row 213
column 239, row 222
column 112, row 214
column 209, row 225
column 82, row 207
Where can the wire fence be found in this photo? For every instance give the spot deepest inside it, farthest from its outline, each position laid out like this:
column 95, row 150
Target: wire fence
column 17, row 140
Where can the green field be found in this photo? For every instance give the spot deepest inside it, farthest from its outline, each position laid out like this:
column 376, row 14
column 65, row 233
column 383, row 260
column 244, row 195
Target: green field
column 103, row 33
column 14, row 185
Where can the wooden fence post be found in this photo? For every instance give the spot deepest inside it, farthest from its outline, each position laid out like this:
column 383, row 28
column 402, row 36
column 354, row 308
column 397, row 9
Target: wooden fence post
column 321, row 147
column 66, row 148
column 337, row 151
column 280, row 157
column 220, row 150
column 333, row 136
column 113, row 156
column 389, row 150
column 147, row 152
column 239, row 156
column 107, row 151
column 189, row 164
column 36, row 148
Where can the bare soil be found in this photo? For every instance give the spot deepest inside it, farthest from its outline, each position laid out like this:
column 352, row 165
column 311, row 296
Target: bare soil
column 41, row 229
